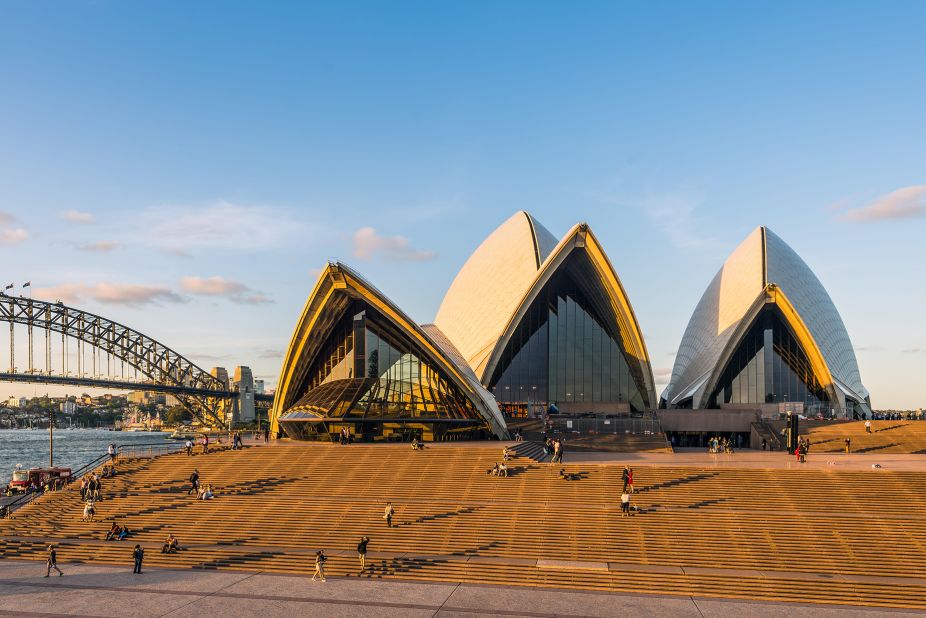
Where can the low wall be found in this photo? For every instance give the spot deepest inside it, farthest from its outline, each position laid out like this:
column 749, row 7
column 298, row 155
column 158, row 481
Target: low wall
column 707, row 420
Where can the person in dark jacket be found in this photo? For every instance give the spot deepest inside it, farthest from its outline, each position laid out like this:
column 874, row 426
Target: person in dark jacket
column 194, row 483
column 138, row 554
column 52, row 562
column 362, row 552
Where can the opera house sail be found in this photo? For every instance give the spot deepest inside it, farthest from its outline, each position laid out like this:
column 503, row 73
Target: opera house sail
column 766, row 333
column 546, row 324
column 357, row 362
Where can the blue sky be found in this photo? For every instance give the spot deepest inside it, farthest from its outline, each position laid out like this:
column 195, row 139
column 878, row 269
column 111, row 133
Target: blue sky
column 185, row 168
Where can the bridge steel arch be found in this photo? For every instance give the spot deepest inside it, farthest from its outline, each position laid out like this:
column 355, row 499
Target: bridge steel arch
column 201, row 393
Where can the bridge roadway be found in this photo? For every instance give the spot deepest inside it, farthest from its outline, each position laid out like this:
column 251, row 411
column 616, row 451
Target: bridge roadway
column 39, row 378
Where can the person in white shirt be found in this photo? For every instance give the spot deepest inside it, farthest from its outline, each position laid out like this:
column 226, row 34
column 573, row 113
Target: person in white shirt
column 625, row 504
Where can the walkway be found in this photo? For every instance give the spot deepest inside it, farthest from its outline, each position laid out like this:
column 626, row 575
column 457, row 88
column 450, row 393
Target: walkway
column 89, row 590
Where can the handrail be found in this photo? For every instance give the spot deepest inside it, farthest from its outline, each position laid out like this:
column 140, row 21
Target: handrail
column 28, row 497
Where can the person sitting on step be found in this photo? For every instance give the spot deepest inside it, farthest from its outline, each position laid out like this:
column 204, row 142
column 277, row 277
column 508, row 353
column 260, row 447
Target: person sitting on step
column 171, row 545
column 114, row 531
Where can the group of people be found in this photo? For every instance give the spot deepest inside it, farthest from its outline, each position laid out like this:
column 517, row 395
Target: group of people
column 499, row 469
column 117, row 532
column 91, row 487
column 803, row 447
column 321, row 559
column 203, row 442
column 554, row 446
column 345, row 437
column 237, row 442
column 720, row 445
column 203, row 492
column 417, row 445
column 627, row 478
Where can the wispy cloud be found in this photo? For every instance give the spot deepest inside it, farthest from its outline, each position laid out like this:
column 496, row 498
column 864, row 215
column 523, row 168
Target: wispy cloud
column 13, row 236
column 127, row 294
column 181, row 229
column 255, row 298
column 914, row 351
column 75, row 216
column 212, row 286
column 235, row 291
column 662, row 375
column 905, row 203
column 6, row 218
column 368, row 244
column 675, row 215
column 102, row 246
column 270, row 354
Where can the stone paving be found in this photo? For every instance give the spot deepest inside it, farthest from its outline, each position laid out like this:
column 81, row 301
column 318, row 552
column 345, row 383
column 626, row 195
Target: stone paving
column 91, row 590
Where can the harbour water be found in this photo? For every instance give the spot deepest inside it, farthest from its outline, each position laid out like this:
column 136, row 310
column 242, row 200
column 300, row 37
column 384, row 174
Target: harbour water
column 73, row 447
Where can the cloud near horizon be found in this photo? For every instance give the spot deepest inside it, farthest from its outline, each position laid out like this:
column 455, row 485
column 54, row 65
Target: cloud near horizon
column 75, row 216
column 179, row 229
column 219, row 286
column 102, row 246
column 13, row 236
column 906, row 203
column 127, row 294
column 368, row 244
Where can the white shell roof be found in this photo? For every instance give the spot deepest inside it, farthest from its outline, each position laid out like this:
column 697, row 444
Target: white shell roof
column 762, row 259
column 491, row 284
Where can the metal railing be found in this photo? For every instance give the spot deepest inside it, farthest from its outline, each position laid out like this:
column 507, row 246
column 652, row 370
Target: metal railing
column 125, row 451
column 632, row 425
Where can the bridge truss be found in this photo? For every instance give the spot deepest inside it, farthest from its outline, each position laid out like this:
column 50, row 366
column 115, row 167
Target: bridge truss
column 118, row 357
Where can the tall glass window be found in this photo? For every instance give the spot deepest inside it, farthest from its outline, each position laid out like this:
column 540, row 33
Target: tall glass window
column 564, row 351
column 769, row 366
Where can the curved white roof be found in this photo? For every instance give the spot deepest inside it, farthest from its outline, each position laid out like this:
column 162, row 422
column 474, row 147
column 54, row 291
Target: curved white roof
column 491, row 284
column 762, row 260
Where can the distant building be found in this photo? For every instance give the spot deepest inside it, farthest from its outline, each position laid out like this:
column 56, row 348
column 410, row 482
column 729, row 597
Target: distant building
column 68, row 407
column 17, row 402
column 244, row 383
column 144, row 398
column 258, row 387
column 221, row 373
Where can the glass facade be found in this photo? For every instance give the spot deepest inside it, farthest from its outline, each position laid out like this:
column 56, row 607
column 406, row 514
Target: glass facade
column 565, row 351
column 770, row 366
column 371, row 377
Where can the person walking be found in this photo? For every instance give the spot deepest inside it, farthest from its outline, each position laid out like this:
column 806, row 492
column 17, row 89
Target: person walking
column 320, row 560
column 205, row 444
column 625, row 476
column 266, row 435
column 867, row 426
column 848, row 445
column 387, row 515
column 97, row 488
column 625, row 504
column 189, row 447
column 138, row 554
column 362, row 552
column 52, row 562
column 194, row 483
column 111, row 451
column 630, row 479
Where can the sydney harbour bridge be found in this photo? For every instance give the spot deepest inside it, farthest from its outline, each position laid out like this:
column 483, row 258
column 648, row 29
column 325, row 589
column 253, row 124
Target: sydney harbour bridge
column 63, row 345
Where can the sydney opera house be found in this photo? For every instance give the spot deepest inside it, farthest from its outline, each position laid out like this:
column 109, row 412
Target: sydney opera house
column 766, row 332
column 532, row 324
column 528, row 323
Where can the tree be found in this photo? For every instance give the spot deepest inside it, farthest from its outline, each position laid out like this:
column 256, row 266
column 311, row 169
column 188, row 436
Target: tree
column 176, row 415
